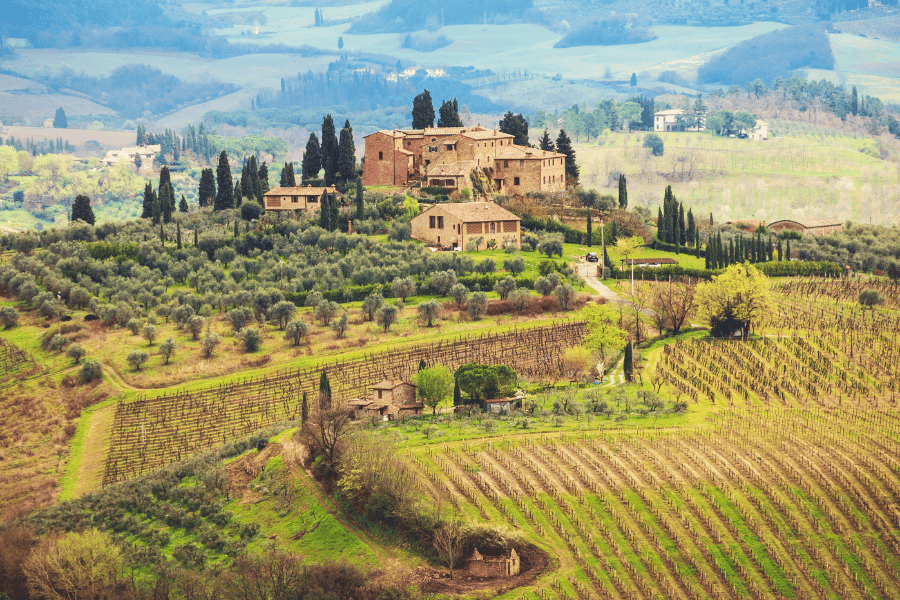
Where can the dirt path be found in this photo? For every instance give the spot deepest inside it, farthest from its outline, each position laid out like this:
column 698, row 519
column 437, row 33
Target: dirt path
column 94, row 450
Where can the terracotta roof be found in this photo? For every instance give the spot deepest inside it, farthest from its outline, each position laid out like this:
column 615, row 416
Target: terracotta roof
column 486, row 134
column 456, row 169
column 650, row 261
column 391, row 132
column 387, row 384
column 300, row 191
column 450, row 130
column 520, row 153
column 471, row 212
column 498, row 400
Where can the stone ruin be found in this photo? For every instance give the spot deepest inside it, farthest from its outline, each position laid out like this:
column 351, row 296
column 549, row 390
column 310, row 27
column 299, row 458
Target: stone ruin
column 493, row 566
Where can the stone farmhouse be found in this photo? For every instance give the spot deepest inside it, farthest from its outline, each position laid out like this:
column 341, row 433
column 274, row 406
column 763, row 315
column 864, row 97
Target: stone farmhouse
column 667, row 120
column 445, row 156
column 389, row 400
column 297, row 200
column 453, row 225
column 493, row 566
column 147, row 154
column 808, row 226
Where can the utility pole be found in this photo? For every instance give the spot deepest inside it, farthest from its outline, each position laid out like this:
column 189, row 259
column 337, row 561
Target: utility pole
column 603, row 254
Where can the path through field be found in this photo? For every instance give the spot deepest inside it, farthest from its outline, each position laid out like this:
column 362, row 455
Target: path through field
column 94, row 450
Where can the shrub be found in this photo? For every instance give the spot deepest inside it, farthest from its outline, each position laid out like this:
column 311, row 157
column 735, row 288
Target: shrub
column 58, row 342
column 869, row 297
column 133, row 325
column 654, row 143
column 8, row 316
column 90, row 371
column 251, row 338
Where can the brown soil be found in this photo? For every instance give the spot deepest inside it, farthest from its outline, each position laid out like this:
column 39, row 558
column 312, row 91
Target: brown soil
column 242, row 471
column 534, row 561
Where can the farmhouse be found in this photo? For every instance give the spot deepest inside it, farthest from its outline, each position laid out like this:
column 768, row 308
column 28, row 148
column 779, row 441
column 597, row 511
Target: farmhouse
column 146, row 153
column 389, row 400
column 445, row 157
column 453, row 225
column 298, row 200
column 671, row 120
column 808, row 226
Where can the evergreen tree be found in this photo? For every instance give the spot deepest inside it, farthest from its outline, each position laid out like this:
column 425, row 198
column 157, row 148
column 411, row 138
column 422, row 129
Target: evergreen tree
column 166, row 195
column 422, row 111
column 304, row 409
column 81, row 209
column 325, row 211
column 564, row 146
column 628, row 363
column 139, row 137
column 691, row 231
column 147, row 209
column 516, row 126
column 207, row 189
column 360, row 207
column 706, row 263
column 224, row 184
column 589, row 225
column 448, row 114
column 547, row 143
column 457, row 394
column 661, row 233
column 770, row 249
column 183, row 205
column 238, row 195
column 157, row 211
column 633, row 80
column 787, row 252
column 780, row 253
column 720, row 253
column 324, row 392
column 623, row 193
column 346, row 153
column 178, row 234
column 61, row 122
column 287, row 176
column 854, row 102
column 246, row 188
column 263, row 177
column 312, row 158
column 682, row 233
column 330, row 150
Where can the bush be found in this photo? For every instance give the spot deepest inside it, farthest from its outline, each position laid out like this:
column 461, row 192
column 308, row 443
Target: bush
column 654, row 143
column 76, row 352
column 869, row 297
column 251, row 338
column 8, row 316
column 90, row 371
column 58, row 342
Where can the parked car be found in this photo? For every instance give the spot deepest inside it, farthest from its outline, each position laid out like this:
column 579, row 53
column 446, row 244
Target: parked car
column 592, row 257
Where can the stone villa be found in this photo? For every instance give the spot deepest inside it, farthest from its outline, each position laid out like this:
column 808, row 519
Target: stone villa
column 445, row 156
column 389, row 400
column 298, row 200
column 453, row 225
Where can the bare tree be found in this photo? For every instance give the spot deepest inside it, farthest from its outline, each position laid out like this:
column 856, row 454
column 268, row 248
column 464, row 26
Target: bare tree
column 448, row 540
column 673, row 303
column 326, row 436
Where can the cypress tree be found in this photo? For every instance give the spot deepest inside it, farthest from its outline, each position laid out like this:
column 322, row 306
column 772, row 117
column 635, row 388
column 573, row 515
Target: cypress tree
column 183, row 205
column 346, row 153
column 178, row 235
column 780, row 253
column 157, row 209
column 706, row 263
column 682, row 235
column 166, row 195
column 312, row 158
column 661, row 226
column 207, row 189
column 195, row 237
column 304, row 409
column 330, row 151
column 246, row 188
column 224, row 184
column 770, row 247
column 334, row 219
column 236, row 231
column 81, row 209
column 147, row 210
column 162, row 234
column 787, row 252
column 589, row 232
column 325, row 211
column 422, row 111
column 359, row 199
column 691, row 231
column 720, row 252
column 457, row 395
column 623, row 193
column 628, row 366
column 288, row 178
column 324, row 392
column 422, row 364
column 263, row 177
column 238, row 197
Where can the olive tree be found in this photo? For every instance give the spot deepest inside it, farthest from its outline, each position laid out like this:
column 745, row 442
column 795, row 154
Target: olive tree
column 167, row 349
column 428, row 311
column 372, row 304
column 137, row 358
column 476, row 305
column 403, row 288
column 459, row 293
column 505, row 287
column 209, row 343
column 386, row 316
column 283, row 312
column 295, row 331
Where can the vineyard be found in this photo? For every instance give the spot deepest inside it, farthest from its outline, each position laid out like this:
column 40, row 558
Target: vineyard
column 13, row 360
column 151, row 432
column 767, row 502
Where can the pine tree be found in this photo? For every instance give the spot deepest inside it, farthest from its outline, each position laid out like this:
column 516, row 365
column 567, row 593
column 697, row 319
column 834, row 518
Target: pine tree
column 422, row 111
column 183, row 205
column 312, row 158
column 516, row 126
column 81, row 209
column 61, row 122
column 224, row 184
column 623, row 193
column 330, row 150
column 360, row 206
column 346, row 153
column 564, row 146
column 547, row 143
column 324, row 392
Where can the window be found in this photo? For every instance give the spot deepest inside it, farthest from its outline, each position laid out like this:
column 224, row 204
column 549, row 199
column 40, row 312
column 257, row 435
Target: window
column 440, row 223
column 294, row 199
column 381, row 156
column 492, row 144
column 449, row 146
column 505, row 164
column 312, row 199
column 515, row 181
column 521, row 163
column 433, row 139
column 427, row 162
column 408, row 143
column 431, row 222
column 493, row 227
column 379, row 394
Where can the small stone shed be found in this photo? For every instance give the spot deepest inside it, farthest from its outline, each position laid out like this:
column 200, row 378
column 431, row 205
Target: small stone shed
column 493, row 566
column 390, row 400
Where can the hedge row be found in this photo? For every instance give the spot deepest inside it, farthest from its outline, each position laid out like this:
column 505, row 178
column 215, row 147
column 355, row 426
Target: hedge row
column 771, row 269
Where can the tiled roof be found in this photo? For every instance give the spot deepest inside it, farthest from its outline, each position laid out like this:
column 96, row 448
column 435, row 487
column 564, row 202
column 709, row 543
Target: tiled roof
column 519, row 153
column 469, row 212
column 387, row 384
column 810, row 222
column 486, row 134
column 463, row 167
column 451, row 130
column 300, row 191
